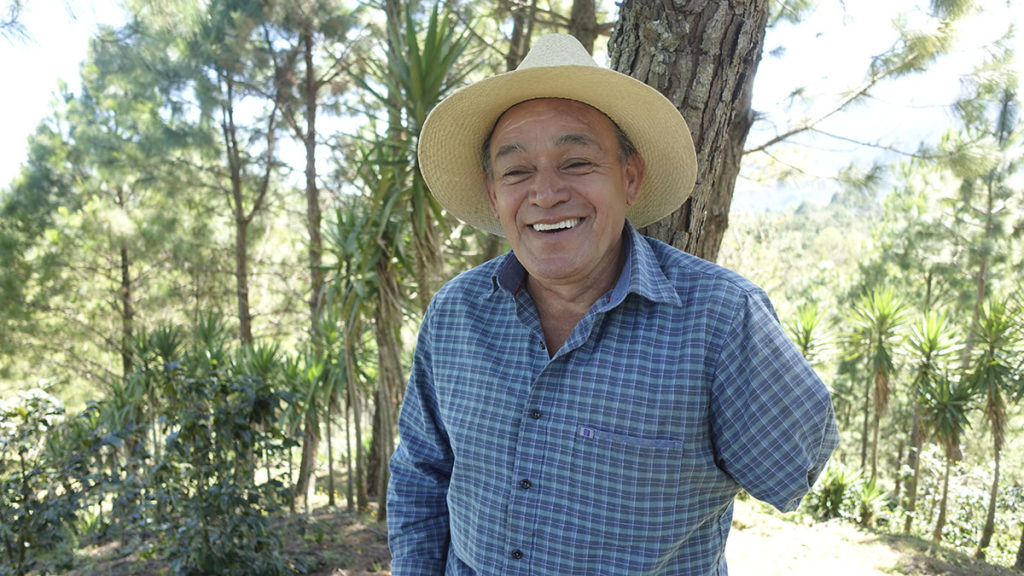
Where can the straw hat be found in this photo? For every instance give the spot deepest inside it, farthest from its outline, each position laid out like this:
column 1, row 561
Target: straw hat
column 556, row 67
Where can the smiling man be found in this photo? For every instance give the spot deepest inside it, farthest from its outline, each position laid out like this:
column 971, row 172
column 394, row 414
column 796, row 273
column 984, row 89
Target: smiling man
column 591, row 402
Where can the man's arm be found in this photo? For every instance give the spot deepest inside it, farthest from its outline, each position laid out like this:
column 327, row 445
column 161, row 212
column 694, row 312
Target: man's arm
column 421, row 466
column 772, row 417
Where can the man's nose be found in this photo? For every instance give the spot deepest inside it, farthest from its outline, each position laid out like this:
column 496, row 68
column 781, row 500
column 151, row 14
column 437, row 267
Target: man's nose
column 549, row 189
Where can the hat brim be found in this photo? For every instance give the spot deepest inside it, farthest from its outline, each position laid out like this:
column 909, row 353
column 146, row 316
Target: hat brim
column 452, row 137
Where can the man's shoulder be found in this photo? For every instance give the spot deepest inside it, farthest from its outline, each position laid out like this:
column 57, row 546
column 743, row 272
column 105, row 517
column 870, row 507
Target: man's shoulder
column 690, row 273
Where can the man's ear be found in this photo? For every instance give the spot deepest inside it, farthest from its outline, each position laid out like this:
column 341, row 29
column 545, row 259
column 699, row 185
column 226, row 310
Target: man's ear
column 634, row 172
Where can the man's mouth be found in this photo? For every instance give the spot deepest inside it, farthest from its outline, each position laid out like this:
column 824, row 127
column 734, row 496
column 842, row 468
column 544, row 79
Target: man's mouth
column 556, row 226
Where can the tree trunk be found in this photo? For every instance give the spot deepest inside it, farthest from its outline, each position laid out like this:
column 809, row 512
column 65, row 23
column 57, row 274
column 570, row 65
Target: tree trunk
column 388, row 398
column 125, row 298
column 330, row 458
column 310, row 445
column 864, row 428
column 243, row 216
column 583, row 23
column 875, row 425
column 127, row 312
column 355, row 402
column 349, row 480
column 941, row 522
column 362, row 498
column 703, row 57
column 242, row 278
column 914, row 460
column 313, row 212
column 898, row 488
column 234, row 159
column 523, row 16
column 990, row 517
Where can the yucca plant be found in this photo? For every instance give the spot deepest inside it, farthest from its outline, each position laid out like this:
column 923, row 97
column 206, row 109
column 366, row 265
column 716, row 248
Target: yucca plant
column 945, row 406
column 834, row 488
column 994, row 377
column 808, row 331
column 932, row 342
column 878, row 316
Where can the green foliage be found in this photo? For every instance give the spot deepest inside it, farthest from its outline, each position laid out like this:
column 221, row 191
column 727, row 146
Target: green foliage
column 44, row 481
column 218, row 518
column 833, row 494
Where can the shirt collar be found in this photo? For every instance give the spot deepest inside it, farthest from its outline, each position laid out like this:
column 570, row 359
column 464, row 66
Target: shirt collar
column 641, row 274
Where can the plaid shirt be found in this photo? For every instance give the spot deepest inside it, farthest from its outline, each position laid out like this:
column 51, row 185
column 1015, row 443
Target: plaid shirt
column 620, row 455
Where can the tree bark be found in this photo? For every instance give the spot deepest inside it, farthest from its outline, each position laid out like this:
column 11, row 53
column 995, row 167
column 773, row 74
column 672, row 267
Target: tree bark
column 313, row 211
column 127, row 312
column 703, row 57
column 310, row 445
column 914, row 460
column 990, row 516
column 583, row 23
column 388, row 398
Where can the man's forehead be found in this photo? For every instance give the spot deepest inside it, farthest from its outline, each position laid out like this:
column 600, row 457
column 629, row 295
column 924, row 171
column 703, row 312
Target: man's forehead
column 583, row 123
column 561, row 103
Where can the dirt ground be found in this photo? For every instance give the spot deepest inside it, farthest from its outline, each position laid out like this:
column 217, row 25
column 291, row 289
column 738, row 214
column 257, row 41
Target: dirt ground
column 762, row 543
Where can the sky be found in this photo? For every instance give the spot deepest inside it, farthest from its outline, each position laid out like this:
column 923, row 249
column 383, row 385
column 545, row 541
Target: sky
column 58, row 38
column 827, row 53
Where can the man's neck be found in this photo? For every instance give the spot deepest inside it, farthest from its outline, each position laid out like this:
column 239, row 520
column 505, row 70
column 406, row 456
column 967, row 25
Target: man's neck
column 560, row 307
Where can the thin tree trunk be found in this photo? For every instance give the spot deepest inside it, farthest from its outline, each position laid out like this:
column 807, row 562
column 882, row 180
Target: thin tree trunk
column 127, row 313
column 349, row 480
column 388, row 398
column 241, row 222
column 313, row 211
column 990, row 517
column 864, row 430
column 583, row 23
column 330, row 458
column 914, row 460
column 941, row 522
column 310, row 445
column 362, row 498
column 236, row 196
column 898, row 489
column 703, row 57
column 875, row 425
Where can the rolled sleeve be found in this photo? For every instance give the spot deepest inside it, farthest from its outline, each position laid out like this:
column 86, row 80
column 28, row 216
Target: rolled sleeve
column 773, row 423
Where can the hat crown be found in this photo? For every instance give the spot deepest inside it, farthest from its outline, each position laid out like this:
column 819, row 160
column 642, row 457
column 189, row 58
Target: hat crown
column 557, row 50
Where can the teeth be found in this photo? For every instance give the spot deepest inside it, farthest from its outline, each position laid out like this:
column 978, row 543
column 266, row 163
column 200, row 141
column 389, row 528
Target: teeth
column 564, row 224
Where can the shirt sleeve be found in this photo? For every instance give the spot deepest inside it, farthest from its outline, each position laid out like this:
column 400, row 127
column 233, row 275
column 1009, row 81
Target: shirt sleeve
column 772, row 419
column 417, row 510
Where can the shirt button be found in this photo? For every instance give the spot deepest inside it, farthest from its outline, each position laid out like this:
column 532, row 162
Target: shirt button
column 535, row 414
column 525, row 484
column 543, row 346
column 517, row 554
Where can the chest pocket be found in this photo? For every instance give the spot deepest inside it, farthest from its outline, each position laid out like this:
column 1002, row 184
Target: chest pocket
column 627, row 487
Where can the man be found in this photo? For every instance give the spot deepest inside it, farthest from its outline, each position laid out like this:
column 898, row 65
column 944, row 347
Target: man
column 591, row 402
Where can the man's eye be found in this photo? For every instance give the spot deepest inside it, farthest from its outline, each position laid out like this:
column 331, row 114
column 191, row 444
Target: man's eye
column 578, row 165
column 515, row 173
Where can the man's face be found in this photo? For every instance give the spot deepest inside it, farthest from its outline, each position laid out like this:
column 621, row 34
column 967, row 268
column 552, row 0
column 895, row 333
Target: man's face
column 560, row 190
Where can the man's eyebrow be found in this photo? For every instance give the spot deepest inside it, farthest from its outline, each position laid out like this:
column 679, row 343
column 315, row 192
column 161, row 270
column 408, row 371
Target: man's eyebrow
column 507, row 149
column 577, row 139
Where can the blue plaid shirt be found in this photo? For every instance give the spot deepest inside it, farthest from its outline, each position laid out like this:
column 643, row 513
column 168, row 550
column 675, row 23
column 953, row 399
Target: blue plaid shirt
column 621, row 454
